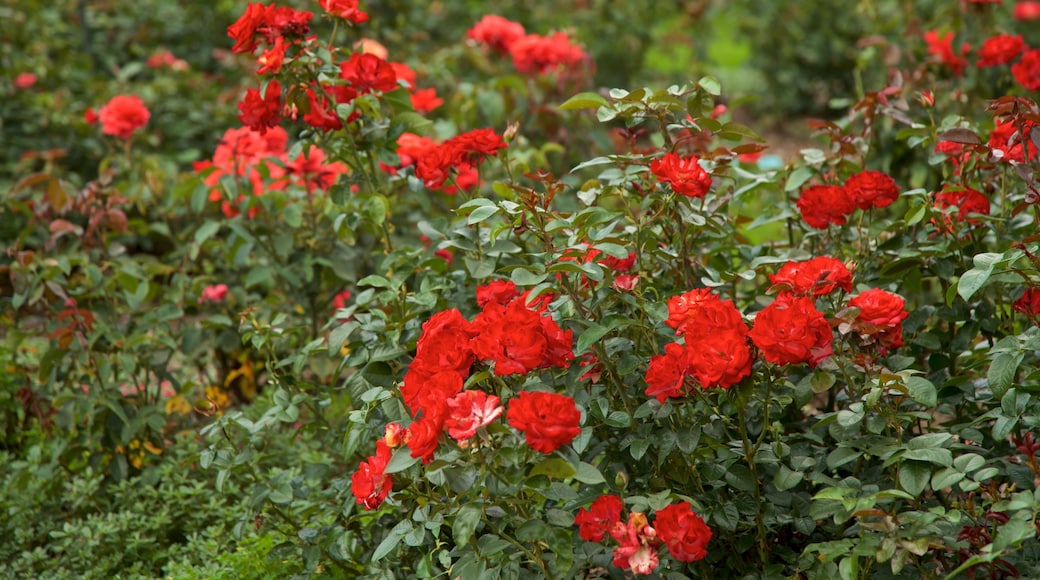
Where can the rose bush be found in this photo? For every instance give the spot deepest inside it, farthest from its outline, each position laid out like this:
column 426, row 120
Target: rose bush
column 420, row 341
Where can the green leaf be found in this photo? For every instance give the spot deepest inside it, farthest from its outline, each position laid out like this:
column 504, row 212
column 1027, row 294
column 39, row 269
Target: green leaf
column 945, row 478
column 401, row 460
column 841, row 456
column 481, row 213
column 591, row 335
column 532, row 531
column 553, row 468
column 206, row 231
column 1002, row 372
column 938, row 456
column 465, row 523
column 374, row 281
column 786, row 478
column 922, row 391
column 914, row 476
column 402, row 529
column 710, row 85
column 798, row 177
column 583, row 101
column 525, row 277
column 588, row 473
column 293, row 215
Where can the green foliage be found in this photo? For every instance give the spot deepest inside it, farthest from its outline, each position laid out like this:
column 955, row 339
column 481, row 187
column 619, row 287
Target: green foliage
column 880, row 460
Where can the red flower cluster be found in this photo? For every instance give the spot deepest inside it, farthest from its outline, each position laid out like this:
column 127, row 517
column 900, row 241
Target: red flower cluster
column 547, row 420
column 1000, row 49
column 214, row 293
column 1027, row 11
column 260, row 112
column 516, row 339
column 496, row 32
column 456, row 159
column 370, row 484
column 345, row 9
column 532, row 54
column 1027, row 70
column 244, row 153
column 682, row 531
column 880, row 317
column 815, row 277
column 469, row 411
column 792, row 331
column 538, row 55
column 123, row 115
column 822, row 205
column 967, row 201
column 268, row 23
column 869, row 189
column 519, row 339
column 165, row 59
column 942, row 48
column 684, row 174
column 1029, row 302
column 367, row 72
column 715, row 352
column 1012, row 140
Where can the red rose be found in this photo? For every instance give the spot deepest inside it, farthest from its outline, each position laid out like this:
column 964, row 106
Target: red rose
column 547, row 420
column 518, row 339
column 123, row 115
column 667, row 372
column 25, row 80
column 445, row 342
column 496, row 32
column 1027, row 11
column 1028, row 302
column 683, row 532
column 262, row 112
column 682, row 307
column 499, row 292
column 340, row 300
column 411, row 147
column 346, row 9
column 942, row 48
column 878, row 308
column 426, row 100
column 435, row 166
column 1007, row 137
column 871, row 189
column 815, row 277
column 967, row 201
column 720, row 359
column 701, row 313
column 215, row 293
column 1027, row 70
column 469, row 411
column 792, row 331
column 426, row 388
column 684, row 174
column 473, row 146
column 822, row 205
column 594, row 523
column 424, row 436
column 534, row 54
column 271, row 22
column 367, row 73
column 369, row 484
column 1000, row 49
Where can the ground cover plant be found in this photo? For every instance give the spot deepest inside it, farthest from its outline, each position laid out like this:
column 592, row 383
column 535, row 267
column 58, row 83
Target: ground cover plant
column 455, row 308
